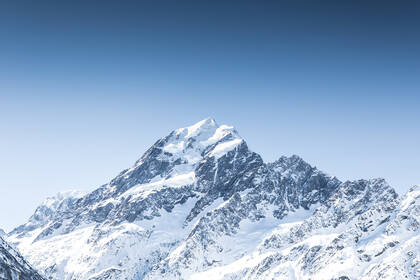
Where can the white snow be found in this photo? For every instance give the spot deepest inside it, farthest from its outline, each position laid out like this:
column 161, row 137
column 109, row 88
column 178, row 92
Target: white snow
column 223, row 148
column 173, row 182
column 53, row 201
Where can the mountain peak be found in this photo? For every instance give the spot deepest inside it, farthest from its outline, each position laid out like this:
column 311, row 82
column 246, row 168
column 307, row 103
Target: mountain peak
column 177, row 156
column 207, row 126
column 201, row 135
column 203, row 124
column 57, row 199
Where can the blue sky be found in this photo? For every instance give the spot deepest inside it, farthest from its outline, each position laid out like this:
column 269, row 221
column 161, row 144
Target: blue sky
column 87, row 87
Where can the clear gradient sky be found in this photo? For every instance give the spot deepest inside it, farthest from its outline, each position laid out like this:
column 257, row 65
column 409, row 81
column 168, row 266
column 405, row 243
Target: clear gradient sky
column 87, row 86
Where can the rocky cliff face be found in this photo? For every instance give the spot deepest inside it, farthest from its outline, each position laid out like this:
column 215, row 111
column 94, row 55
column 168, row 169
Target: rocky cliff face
column 200, row 205
column 13, row 266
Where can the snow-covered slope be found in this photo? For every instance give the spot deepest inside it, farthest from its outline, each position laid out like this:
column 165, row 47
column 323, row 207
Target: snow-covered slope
column 13, row 266
column 50, row 209
column 200, row 205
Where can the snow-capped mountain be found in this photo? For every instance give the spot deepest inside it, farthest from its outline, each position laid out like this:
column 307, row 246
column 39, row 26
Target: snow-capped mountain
column 13, row 266
column 200, row 205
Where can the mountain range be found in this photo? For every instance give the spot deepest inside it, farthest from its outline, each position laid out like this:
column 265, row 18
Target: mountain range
column 199, row 204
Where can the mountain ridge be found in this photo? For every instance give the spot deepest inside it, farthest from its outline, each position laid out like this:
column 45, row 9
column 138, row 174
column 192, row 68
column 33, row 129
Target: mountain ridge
column 179, row 210
column 13, row 266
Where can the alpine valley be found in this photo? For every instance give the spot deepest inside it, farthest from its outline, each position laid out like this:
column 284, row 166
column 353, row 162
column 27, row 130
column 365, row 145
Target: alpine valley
column 200, row 205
